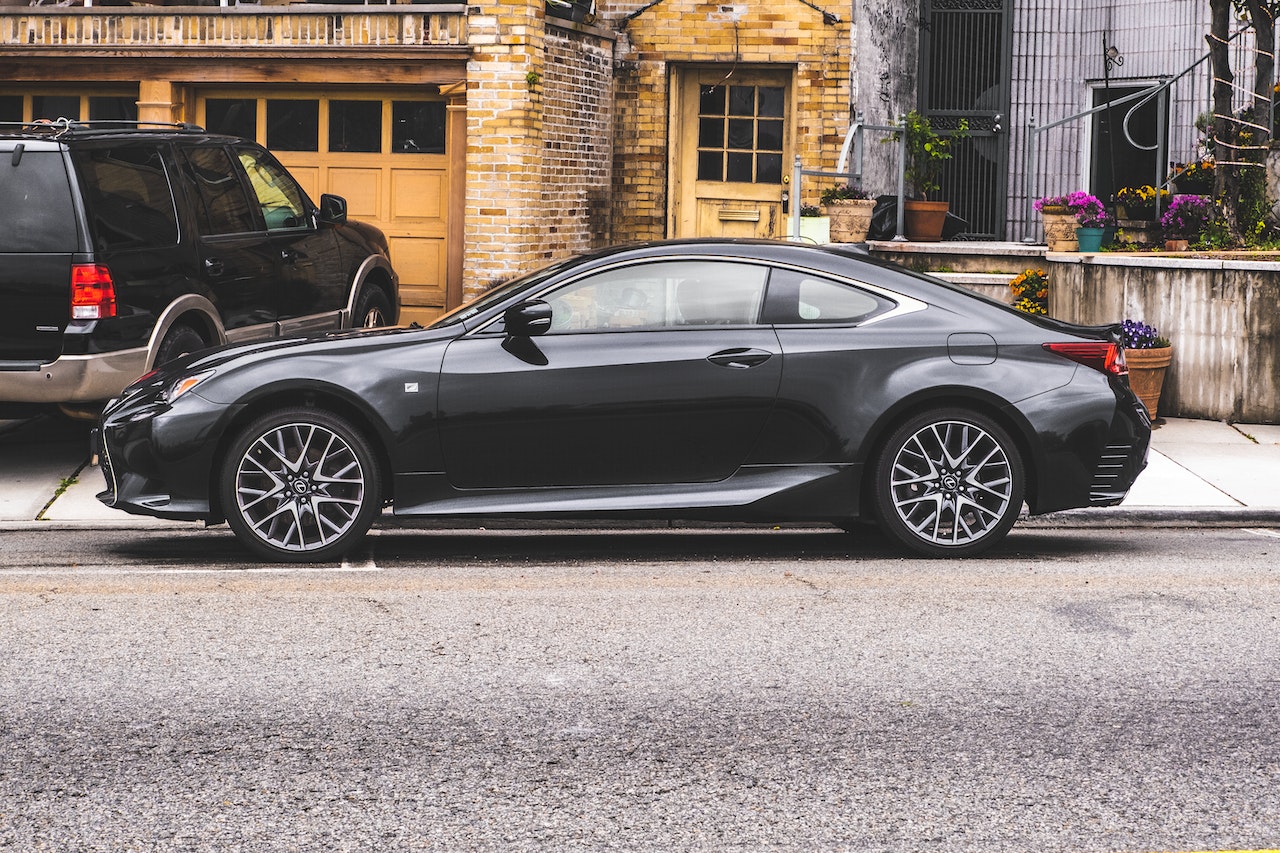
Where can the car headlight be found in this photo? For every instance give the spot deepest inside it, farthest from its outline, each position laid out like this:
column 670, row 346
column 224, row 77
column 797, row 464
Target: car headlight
column 183, row 384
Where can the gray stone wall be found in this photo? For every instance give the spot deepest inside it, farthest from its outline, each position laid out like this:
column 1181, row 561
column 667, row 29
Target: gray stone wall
column 1220, row 315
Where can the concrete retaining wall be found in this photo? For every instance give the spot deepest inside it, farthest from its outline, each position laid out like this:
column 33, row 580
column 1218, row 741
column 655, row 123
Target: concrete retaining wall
column 1223, row 317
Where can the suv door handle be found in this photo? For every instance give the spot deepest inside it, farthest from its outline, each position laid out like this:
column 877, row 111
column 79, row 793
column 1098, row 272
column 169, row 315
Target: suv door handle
column 289, row 256
column 740, row 358
column 214, row 267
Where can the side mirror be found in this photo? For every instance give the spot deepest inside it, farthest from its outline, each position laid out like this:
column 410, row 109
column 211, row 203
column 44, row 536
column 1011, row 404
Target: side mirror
column 333, row 209
column 528, row 319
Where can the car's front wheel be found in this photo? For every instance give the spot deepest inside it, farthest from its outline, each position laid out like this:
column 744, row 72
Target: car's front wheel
column 949, row 483
column 300, row 485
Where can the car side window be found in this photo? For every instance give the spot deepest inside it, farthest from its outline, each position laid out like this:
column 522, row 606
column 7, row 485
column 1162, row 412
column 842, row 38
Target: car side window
column 667, row 294
column 801, row 298
column 223, row 206
column 128, row 196
column 278, row 194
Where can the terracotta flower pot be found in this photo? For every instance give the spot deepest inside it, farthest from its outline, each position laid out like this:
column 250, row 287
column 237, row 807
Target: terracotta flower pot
column 1146, row 374
column 924, row 219
column 850, row 219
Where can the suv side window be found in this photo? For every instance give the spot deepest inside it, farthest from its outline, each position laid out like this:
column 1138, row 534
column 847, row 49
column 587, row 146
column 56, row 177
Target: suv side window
column 223, row 206
column 129, row 197
column 279, row 196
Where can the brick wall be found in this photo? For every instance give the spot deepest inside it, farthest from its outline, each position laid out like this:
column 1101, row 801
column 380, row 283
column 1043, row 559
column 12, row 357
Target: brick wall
column 781, row 33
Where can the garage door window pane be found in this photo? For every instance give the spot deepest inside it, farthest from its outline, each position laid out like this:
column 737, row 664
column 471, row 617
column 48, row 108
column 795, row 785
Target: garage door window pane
column 11, row 108
column 293, row 125
column 232, row 116
column 113, row 109
column 355, row 126
column 55, row 106
column 417, row 127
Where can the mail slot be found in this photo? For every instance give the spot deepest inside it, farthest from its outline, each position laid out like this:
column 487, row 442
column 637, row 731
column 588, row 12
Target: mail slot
column 729, row 215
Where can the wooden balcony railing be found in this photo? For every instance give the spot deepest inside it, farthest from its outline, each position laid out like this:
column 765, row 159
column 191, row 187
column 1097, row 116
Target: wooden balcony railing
column 298, row 25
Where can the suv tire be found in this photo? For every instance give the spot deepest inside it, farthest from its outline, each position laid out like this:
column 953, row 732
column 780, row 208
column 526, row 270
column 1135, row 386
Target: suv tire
column 179, row 341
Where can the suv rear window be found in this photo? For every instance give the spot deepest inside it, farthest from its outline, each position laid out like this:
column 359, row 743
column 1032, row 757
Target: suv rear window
column 36, row 212
column 128, row 196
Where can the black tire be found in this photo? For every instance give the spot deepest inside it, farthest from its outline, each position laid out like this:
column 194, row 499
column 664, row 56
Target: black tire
column 373, row 309
column 180, row 340
column 949, row 483
column 300, row 485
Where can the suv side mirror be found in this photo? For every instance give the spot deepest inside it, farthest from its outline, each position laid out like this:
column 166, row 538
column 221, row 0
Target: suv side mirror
column 333, row 209
column 528, row 319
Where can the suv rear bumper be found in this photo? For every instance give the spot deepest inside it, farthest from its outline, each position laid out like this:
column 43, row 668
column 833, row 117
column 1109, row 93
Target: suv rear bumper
column 74, row 378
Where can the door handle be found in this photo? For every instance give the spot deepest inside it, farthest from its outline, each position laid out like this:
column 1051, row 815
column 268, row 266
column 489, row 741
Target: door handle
column 740, row 358
column 289, row 256
column 214, row 267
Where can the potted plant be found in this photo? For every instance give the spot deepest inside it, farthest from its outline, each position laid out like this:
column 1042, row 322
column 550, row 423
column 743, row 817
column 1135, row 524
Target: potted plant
column 849, row 209
column 1058, row 221
column 814, row 226
column 926, row 153
column 1195, row 178
column 1091, row 221
column 1148, row 356
column 1185, row 220
column 1138, row 204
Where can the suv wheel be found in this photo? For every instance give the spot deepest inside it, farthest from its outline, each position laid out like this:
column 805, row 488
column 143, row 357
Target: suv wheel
column 373, row 309
column 179, row 341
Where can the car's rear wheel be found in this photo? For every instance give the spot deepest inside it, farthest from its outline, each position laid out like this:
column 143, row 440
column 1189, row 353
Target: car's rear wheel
column 300, row 485
column 373, row 309
column 949, row 483
column 179, row 341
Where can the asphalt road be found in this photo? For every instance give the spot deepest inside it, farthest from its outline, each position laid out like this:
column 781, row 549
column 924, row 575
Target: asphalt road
column 1080, row 690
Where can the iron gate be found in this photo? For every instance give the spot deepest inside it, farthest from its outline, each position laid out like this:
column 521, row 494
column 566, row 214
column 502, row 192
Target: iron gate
column 965, row 67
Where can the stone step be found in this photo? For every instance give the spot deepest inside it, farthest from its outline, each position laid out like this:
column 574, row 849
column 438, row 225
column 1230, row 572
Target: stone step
column 961, row 256
column 993, row 285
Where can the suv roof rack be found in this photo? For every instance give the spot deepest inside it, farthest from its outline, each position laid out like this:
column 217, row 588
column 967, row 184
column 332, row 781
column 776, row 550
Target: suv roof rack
column 62, row 126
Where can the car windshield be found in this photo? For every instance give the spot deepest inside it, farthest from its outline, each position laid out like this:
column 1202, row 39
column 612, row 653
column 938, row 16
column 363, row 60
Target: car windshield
column 492, row 297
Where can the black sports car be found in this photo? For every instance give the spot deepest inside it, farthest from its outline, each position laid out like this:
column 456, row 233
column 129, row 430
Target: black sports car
column 744, row 380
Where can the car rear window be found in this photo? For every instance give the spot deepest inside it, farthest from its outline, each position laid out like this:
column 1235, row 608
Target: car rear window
column 129, row 198
column 36, row 211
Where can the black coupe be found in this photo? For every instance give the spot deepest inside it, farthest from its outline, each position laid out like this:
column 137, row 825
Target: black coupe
column 717, row 380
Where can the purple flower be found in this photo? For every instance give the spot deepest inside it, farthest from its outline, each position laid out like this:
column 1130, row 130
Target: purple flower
column 1187, row 217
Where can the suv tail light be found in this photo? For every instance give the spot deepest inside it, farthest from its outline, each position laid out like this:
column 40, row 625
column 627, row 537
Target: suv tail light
column 1105, row 356
column 93, row 293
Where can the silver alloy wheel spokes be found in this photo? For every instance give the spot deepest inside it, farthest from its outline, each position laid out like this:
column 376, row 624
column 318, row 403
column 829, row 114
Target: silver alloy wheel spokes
column 952, row 483
column 373, row 318
column 299, row 487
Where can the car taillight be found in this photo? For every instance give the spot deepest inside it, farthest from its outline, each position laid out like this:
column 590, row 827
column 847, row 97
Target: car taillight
column 93, row 293
column 1100, row 355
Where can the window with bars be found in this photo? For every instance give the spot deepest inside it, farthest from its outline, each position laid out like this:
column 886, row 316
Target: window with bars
column 740, row 133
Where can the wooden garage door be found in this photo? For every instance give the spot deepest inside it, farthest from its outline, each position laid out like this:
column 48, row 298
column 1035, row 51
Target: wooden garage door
column 384, row 153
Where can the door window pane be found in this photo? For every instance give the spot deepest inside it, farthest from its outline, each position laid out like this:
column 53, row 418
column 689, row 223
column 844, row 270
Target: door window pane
column 355, row 126
column 660, row 295
column 278, row 195
column 223, row 207
column 733, row 156
column 232, row 116
column 417, row 127
column 293, row 125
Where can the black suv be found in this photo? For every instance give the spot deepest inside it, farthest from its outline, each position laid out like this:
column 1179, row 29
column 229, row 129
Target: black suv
column 122, row 247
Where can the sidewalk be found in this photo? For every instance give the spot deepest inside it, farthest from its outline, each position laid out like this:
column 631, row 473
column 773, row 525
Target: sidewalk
column 1200, row 472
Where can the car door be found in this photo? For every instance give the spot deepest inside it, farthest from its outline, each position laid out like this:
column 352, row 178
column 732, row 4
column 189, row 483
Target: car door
column 650, row 373
column 236, row 260
column 311, row 282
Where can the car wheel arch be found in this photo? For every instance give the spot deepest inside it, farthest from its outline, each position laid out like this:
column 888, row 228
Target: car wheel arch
column 971, row 399
column 191, row 310
column 270, row 398
column 377, row 272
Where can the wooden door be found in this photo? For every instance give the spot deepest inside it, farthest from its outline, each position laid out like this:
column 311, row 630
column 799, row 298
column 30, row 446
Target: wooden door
column 733, row 143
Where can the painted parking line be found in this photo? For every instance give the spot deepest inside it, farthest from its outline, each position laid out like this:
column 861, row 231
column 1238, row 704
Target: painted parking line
column 1274, row 534
column 267, row 570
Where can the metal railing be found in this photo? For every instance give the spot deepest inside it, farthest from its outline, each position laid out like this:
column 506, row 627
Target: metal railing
column 853, row 149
